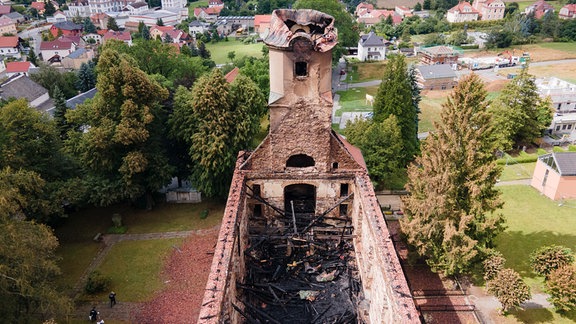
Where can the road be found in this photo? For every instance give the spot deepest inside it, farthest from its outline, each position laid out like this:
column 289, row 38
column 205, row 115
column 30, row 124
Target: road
column 35, row 34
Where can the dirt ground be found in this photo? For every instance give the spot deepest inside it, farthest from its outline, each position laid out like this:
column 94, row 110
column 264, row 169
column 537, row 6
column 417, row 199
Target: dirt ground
column 186, row 273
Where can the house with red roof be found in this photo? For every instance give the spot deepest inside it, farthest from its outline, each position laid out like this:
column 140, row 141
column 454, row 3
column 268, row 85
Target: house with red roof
column 462, row 12
column 262, row 24
column 363, row 8
column 5, row 9
column 538, row 9
column 55, row 50
column 67, row 28
column 568, row 11
column 231, row 76
column 13, row 68
column 7, row 26
column 9, row 46
column 490, row 9
column 40, row 6
column 403, row 11
column 122, row 36
column 371, row 18
column 207, row 14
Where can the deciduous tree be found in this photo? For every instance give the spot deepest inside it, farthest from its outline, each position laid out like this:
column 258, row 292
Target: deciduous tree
column 121, row 149
column 493, row 264
column 450, row 212
column 216, row 120
column 381, row 146
column 396, row 97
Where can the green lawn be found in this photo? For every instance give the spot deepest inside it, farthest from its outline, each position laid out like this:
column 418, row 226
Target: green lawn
column 76, row 233
column 196, row 4
column 517, row 171
column 134, row 268
column 533, row 220
column 524, row 4
column 361, row 72
column 354, row 99
column 430, row 109
column 220, row 50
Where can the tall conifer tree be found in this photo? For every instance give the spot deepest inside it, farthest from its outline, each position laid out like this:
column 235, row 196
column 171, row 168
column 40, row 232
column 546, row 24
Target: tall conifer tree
column 450, row 213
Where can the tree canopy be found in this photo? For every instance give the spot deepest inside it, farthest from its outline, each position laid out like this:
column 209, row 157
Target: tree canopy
column 216, row 120
column 398, row 95
column 121, row 149
column 450, row 212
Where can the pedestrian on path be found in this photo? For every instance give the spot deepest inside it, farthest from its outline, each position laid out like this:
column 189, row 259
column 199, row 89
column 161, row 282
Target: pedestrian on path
column 112, row 298
column 93, row 314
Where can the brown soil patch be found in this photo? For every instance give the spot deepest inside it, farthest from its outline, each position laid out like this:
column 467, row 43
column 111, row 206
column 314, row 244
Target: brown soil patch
column 537, row 53
column 186, row 273
column 435, row 94
column 497, row 85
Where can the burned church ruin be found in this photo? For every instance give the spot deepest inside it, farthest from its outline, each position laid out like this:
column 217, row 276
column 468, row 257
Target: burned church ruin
column 303, row 239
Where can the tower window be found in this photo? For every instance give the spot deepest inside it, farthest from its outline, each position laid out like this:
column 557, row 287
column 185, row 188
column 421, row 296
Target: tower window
column 343, row 189
column 256, row 190
column 301, row 69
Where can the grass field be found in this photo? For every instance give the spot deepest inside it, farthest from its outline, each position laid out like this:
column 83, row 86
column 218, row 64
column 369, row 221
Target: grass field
column 564, row 71
column 361, row 72
column 355, row 100
column 219, row 51
column 517, row 171
column 533, row 220
column 77, row 248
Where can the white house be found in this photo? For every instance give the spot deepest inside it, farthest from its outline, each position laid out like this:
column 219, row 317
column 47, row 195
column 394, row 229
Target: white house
column 563, row 96
column 490, row 9
column 372, row 47
column 78, row 8
column 54, row 51
column 197, row 27
column 58, row 16
column 136, row 8
column 462, row 12
column 9, row 47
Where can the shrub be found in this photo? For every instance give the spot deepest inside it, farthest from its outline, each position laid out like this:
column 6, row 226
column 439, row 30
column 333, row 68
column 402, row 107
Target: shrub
column 541, row 151
column 561, row 285
column 204, row 214
column 571, row 148
column 509, row 288
column 117, row 220
column 558, row 149
column 549, row 258
column 493, row 264
column 117, row 230
column 97, row 283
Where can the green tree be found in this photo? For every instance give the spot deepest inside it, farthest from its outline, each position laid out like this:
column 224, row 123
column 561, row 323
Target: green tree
column 159, row 22
column 520, row 114
column 86, row 77
column 49, row 77
column 258, row 71
column 231, row 56
column 427, row 4
column 418, row 7
column 509, row 288
column 168, row 39
column 381, row 144
column 549, row 258
column 395, row 97
column 88, row 26
column 32, row 58
column 449, row 214
column 493, row 264
column 112, row 24
column 216, row 120
column 561, row 285
column 347, row 28
column 203, row 51
column 60, row 109
column 122, row 150
column 49, row 8
column 27, row 250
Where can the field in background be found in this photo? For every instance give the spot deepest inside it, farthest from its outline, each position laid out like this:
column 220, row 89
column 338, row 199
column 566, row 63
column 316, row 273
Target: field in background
column 219, row 51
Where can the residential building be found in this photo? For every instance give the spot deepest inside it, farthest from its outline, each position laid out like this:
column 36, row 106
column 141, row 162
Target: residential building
column 422, row 14
column 55, row 50
column 73, row 102
column 66, row 28
column 307, row 176
column 5, row 9
column 371, row 18
column 14, row 68
column 150, row 17
column 7, row 26
column 75, row 59
column 372, row 47
column 462, row 12
column 538, row 9
column 215, row 3
column 16, row 17
column 122, row 36
column 104, row 6
column 58, row 16
column 21, row 86
column 438, row 55
column 436, row 77
column 95, row 36
column 490, row 9
column 197, row 27
column 9, row 47
column 568, row 12
column 262, row 24
column 555, row 175
column 78, row 8
column 228, row 24
column 207, row 14
column 562, row 93
column 362, row 8
column 40, row 6
column 403, row 11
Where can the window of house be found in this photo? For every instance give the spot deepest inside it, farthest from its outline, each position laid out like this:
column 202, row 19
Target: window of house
column 257, row 210
column 343, row 189
column 545, row 177
column 335, row 165
column 343, row 209
column 300, row 161
column 256, row 190
column 569, row 126
column 563, row 127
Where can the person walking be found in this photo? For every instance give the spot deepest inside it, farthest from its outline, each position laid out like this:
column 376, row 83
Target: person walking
column 112, row 298
column 93, row 314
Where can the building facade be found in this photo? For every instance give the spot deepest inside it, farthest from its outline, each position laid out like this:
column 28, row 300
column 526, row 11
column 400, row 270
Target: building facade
column 462, row 12
column 490, row 9
column 555, row 175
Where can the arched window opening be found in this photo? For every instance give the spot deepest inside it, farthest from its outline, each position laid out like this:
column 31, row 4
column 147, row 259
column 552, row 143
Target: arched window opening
column 300, row 161
column 301, row 197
